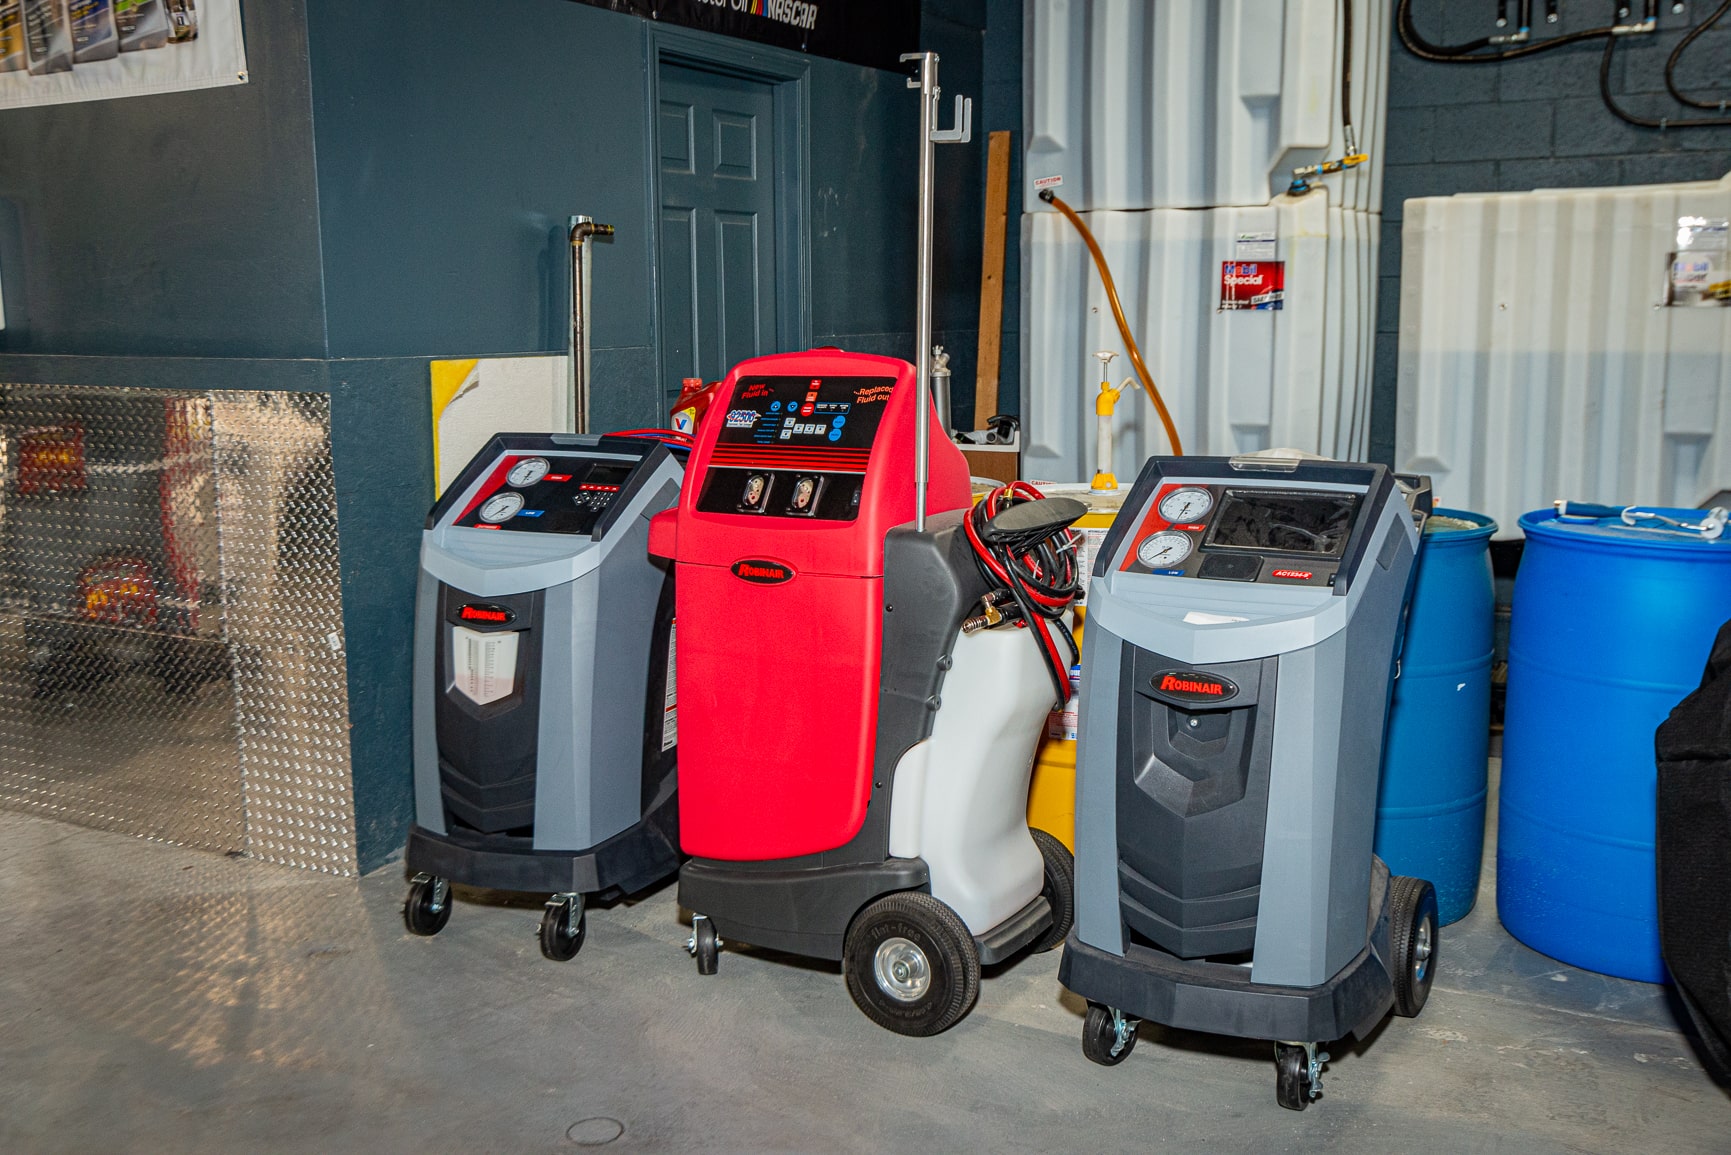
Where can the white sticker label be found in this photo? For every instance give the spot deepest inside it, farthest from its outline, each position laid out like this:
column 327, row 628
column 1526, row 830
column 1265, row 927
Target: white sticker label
column 1253, row 247
column 1689, row 271
column 670, row 696
column 485, row 665
column 1061, row 723
column 1048, row 182
column 1092, row 538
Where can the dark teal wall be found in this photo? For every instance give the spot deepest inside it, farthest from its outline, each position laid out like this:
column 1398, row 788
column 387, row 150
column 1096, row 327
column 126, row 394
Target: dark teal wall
column 182, row 225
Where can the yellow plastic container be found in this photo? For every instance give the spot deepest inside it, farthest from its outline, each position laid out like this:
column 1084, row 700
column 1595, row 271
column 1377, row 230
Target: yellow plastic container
column 1052, row 794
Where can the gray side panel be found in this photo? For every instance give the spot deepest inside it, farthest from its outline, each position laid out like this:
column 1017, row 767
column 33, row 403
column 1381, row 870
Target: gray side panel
column 562, row 771
column 429, row 806
column 630, row 589
column 1097, row 921
column 1322, row 792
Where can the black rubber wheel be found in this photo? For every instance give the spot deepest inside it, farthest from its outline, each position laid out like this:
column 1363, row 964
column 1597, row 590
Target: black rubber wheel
column 1291, row 1077
column 1059, row 889
column 1098, row 1037
column 1413, row 942
column 911, row 964
column 558, row 942
column 708, row 946
column 418, row 912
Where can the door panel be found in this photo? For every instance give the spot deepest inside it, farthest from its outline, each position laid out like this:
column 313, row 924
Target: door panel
column 718, row 255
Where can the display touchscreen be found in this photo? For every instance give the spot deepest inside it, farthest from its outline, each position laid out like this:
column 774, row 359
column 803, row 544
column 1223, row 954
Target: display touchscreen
column 835, row 413
column 1308, row 522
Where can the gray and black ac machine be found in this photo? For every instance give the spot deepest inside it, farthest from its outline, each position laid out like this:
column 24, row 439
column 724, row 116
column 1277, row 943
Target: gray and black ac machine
column 545, row 726
column 1244, row 622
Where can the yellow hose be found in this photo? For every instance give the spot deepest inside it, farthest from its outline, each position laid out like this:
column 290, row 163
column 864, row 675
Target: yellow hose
column 1136, row 361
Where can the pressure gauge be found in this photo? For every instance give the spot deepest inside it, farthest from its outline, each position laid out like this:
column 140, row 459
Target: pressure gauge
column 1164, row 550
column 1186, row 505
column 502, row 506
column 527, row 472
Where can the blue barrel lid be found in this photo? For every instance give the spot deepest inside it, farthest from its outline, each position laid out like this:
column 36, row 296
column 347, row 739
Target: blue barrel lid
column 1481, row 527
column 1610, row 533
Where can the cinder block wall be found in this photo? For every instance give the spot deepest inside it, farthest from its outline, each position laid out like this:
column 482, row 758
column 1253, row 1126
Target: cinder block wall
column 1535, row 123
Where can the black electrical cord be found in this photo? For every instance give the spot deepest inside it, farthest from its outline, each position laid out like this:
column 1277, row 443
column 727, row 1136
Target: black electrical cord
column 1469, row 53
column 1039, row 569
column 1677, row 55
column 1663, row 123
column 1346, row 73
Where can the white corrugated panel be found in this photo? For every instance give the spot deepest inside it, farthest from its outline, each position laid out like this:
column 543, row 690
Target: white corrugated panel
column 1536, row 363
column 1143, row 104
column 1235, row 382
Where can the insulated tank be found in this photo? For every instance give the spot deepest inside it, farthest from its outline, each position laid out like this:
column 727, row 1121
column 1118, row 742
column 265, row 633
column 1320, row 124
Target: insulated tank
column 1430, row 817
column 1612, row 625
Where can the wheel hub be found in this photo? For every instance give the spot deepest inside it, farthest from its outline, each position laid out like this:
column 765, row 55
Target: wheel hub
column 1421, row 951
column 902, row 970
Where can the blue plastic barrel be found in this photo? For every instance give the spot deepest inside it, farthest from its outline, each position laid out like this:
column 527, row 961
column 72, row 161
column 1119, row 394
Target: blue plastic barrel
column 1611, row 629
column 1430, row 814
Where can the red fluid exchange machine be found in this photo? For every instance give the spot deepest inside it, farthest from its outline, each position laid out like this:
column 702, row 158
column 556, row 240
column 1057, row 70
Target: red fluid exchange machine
column 855, row 739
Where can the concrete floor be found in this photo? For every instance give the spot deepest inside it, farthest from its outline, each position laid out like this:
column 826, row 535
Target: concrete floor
column 160, row 999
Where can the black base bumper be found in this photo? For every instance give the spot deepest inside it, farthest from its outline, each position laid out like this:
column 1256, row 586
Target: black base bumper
column 1220, row 999
column 629, row 861
column 804, row 912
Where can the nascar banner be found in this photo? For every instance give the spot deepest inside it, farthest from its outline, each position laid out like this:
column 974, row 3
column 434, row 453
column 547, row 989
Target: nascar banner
column 869, row 32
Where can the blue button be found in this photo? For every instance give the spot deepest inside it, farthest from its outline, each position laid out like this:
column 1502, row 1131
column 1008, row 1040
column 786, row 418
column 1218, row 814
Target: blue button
column 835, row 435
column 775, row 407
column 840, row 421
column 1170, row 572
column 530, row 512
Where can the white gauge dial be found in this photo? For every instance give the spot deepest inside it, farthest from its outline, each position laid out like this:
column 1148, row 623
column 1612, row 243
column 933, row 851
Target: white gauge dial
column 501, row 507
column 1164, row 550
column 528, row 471
column 1186, row 505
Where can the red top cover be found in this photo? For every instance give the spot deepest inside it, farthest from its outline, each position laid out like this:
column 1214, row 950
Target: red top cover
column 780, row 629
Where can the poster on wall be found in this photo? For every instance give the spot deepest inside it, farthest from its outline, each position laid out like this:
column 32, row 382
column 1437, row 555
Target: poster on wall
column 60, row 51
column 869, row 32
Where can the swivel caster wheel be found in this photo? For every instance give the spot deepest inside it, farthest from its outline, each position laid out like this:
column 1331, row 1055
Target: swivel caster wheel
column 428, row 907
column 704, row 945
column 1108, row 1035
column 564, row 925
column 1297, row 1074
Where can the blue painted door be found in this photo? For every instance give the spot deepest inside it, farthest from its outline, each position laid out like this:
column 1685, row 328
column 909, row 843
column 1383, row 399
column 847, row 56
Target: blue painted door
column 718, row 260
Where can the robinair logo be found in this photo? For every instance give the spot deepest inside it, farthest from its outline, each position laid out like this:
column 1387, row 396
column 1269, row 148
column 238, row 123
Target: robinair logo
column 763, row 573
column 1188, row 686
column 493, row 615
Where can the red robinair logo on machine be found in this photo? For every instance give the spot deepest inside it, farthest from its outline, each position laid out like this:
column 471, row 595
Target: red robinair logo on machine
column 490, row 614
column 1192, row 687
column 762, row 572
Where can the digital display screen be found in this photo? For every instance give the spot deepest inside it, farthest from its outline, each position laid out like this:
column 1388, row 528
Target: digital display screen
column 807, row 413
column 1310, row 522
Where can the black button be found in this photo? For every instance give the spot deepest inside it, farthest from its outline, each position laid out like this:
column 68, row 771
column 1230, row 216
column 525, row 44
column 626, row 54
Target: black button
column 1230, row 567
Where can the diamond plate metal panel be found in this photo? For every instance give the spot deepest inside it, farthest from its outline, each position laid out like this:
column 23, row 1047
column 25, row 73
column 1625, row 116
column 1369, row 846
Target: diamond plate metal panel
column 116, row 708
column 282, row 591
column 171, row 657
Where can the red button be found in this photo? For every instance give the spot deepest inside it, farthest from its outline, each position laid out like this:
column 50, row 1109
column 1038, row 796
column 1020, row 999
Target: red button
column 806, row 409
column 1302, row 575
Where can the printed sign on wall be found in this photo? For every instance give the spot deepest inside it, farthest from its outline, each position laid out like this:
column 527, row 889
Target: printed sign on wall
column 60, row 51
column 869, row 32
column 1252, row 285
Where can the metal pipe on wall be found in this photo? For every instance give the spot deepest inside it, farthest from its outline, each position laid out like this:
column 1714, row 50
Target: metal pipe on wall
column 583, row 229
